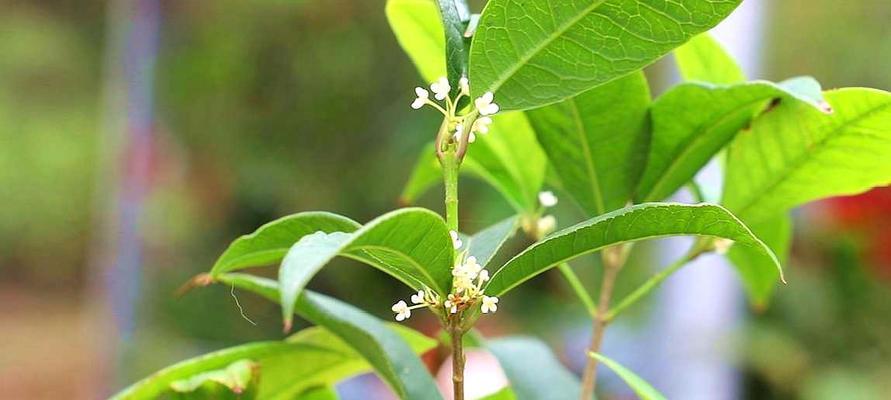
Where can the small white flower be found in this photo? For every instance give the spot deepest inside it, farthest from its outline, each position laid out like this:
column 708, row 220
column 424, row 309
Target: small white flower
column 546, row 225
column 483, row 276
column 402, row 311
column 423, row 95
column 464, row 84
column 547, row 199
column 485, row 105
column 452, row 303
column 472, row 266
column 418, row 298
column 456, row 240
column 440, row 88
column 490, row 304
column 722, row 246
column 481, row 125
column 459, row 128
column 471, row 137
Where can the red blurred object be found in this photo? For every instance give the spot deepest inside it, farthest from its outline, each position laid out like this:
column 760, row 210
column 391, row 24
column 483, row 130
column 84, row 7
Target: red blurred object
column 869, row 214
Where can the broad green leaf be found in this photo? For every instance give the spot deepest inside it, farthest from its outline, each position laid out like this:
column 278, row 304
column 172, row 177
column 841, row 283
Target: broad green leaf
column 486, row 243
column 693, row 121
column 455, row 20
column 640, row 386
column 308, row 358
column 411, row 244
column 418, row 28
column 537, row 52
column 532, row 369
column 388, row 353
column 269, row 243
column 236, row 380
column 794, row 154
column 508, row 158
column 759, row 278
column 703, row 59
column 597, row 141
column 638, row 222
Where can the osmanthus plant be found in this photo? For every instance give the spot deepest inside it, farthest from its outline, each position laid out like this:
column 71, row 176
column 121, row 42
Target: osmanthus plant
column 523, row 87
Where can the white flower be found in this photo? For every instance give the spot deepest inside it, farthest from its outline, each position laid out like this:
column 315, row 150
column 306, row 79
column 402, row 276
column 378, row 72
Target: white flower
column 456, row 241
column 402, row 311
column 483, row 276
column 452, row 303
column 464, row 84
column 546, row 225
column 472, row 266
column 440, row 88
column 481, row 125
column 418, row 298
column 459, row 128
column 485, row 105
column 547, row 199
column 423, row 95
column 722, row 246
column 490, row 304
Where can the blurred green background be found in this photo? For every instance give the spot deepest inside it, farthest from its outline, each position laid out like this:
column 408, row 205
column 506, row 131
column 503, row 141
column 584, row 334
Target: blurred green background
column 268, row 107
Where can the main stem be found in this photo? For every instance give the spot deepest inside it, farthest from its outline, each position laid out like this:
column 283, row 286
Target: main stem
column 457, row 363
column 451, row 161
column 613, row 259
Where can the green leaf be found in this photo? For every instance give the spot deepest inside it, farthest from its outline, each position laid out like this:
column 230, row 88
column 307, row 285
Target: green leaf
column 508, row 158
column 532, row 369
column 640, row 386
column 693, row 121
column 703, row 59
column 308, row 358
column 319, row 393
column 503, row 394
column 638, row 222
column 389, row 354
column 411, row 244
column 597, row 141
column 269, row 243
column 537, row 52
column 235, row 379
column 419, row 30
column 759, row 278
column 456, row 46
column 794, row 154
column 486, row 243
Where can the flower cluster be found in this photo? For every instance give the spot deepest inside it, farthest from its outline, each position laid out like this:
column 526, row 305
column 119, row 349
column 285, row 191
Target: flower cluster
column 479, row 118
column 468, row 278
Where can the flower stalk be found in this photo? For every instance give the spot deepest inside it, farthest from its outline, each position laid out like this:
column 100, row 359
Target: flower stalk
column 613, row 260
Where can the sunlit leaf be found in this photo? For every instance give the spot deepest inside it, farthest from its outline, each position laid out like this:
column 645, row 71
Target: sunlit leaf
column 693, row 121
column 759, row 278
column 794, row 154
column 703, row 59
column 308, row 358
column 597, row 141
column 537, row 52
column 638, row 222
column 419, row 30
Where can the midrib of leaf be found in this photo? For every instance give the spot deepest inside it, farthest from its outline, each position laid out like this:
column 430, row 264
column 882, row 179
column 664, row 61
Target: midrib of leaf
column 405, row 257
column 590, row 167
column 693, row 143
column 797, row 162
column 537, row 48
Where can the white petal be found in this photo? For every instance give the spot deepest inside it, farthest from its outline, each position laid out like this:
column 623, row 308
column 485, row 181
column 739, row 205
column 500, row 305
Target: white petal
column 422, row 93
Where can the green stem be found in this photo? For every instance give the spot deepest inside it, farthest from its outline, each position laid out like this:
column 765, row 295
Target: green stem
column 450, row 164
column 654, row 282
column 578, row 288
column 457, row 364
